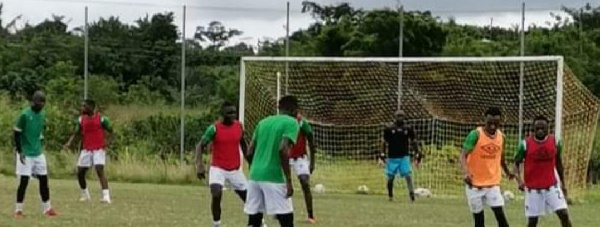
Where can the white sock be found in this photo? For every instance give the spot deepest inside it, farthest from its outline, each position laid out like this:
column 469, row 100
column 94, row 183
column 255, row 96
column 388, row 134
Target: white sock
column 19, row 207
column 46, row 206
column 85, row 193
column 105, row 194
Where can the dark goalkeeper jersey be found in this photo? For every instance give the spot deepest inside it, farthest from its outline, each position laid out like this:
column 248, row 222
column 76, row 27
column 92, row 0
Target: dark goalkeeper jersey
column 398, row 140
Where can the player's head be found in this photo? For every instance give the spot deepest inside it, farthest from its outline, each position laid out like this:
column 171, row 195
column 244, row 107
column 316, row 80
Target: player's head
column 289, row 105
column 88, row 106
column 228, row 111
column 540, row 126
column 493, row 117
column 38, row 101
column 399, row 115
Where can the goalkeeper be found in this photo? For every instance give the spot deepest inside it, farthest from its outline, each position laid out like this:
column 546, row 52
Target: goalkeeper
column 399, row 137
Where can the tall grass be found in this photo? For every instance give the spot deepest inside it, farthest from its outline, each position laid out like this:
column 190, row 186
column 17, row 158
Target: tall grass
column 130, row 166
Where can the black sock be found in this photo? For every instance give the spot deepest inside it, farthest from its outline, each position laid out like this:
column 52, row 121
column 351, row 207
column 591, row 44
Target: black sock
column 22, row 189
column 286, row 220
column 44, row 189
column 479, row 219
column 310, row 214
column 500, row 217
column 255, row 220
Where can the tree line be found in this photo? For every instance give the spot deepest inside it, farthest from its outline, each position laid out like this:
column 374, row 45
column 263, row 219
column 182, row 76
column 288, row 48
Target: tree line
column 140, row 62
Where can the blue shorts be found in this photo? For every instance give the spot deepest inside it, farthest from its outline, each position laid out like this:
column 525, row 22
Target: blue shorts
column 397, row 166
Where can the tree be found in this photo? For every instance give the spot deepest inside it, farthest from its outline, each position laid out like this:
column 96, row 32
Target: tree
column 5, row 29
column 331, row 14
column 377, row 34
column 241, row 48
column 217, row 34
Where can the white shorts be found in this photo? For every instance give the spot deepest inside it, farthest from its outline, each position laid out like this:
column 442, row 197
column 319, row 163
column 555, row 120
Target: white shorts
column 33, row 165
column 300, row 165
column 267, row 197
column 236, row 178
column 478, row 197
column 537, row 202
column 92, row 158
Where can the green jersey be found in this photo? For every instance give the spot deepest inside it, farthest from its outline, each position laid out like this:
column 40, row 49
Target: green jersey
column 209, row 134
column 305, row 126
column 268, row 135
column 31, row 125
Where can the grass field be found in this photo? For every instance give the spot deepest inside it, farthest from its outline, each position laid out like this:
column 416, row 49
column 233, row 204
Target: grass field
column 170, row 205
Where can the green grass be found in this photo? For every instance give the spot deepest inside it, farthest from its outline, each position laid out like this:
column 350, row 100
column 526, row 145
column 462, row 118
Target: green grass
column 170, row 205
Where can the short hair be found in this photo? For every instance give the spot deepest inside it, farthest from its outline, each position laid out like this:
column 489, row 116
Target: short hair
column 541, row 118
column 38, row 94
column 90, row 102
column 288, row 102
column 226, row 104
column 493, row 111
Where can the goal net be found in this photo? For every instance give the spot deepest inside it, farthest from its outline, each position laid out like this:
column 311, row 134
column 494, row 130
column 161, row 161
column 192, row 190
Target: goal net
column 349, row 101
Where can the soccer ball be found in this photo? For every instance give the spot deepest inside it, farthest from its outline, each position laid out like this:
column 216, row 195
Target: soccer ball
column 508, row 195
column 363, row 189
column 422, row 192
column 319, row 189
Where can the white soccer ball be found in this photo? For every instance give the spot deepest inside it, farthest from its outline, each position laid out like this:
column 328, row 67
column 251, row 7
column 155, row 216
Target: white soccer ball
column 363, row 189
column 508, row 195
column 319, row 189
column 423, row 192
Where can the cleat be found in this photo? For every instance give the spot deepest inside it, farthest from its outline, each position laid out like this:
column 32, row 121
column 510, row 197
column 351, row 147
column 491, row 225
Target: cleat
column 50, row 213
column 105, row 200
column 19, row 214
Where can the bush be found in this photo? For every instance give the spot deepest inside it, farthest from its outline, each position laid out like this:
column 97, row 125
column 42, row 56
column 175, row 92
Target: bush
column 160, row 133
column 140, row 94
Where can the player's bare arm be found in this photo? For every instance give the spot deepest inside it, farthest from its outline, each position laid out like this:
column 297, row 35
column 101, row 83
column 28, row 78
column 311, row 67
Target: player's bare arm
column 74, row 135
column 503, row 163
column 517, row 174
column 416, row 146
column 465, row 168
column 244, row 147
column 313, row 150
column 561, row 174
column 200, row 169
column 506, row 169
column 110, row 135
column 284, row 148
column 250, row 152
column 17, row 139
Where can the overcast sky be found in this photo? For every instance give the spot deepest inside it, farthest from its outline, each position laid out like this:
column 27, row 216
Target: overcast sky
column 266, row 18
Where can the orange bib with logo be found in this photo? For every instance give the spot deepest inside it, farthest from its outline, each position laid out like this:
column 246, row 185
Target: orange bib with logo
column 484, row 160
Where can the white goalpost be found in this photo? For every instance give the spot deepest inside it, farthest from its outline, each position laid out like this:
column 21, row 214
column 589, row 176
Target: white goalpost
column 349, row 101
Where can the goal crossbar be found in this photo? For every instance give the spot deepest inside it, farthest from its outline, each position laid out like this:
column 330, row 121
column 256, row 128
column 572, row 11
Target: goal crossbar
column 405, row 59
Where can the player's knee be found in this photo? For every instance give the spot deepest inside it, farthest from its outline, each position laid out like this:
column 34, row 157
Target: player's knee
column 562, row 213
column 99, row 169
column 81, row 172
column 216, row 191
column 304, row 181
column 24, row 180
column 532, row 221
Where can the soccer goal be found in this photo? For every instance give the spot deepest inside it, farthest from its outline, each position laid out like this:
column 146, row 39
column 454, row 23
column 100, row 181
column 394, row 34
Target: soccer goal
column 349, row 101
